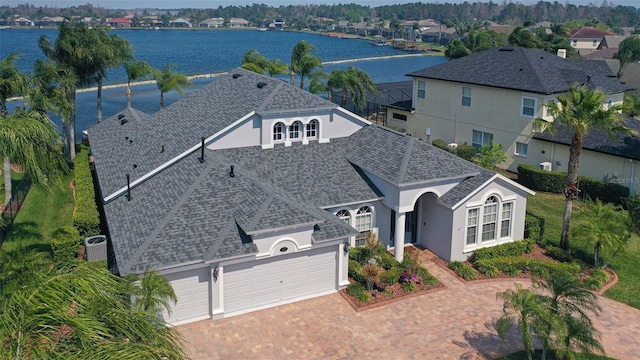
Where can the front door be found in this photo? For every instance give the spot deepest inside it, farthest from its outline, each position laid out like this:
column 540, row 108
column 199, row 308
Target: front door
column 410, row 227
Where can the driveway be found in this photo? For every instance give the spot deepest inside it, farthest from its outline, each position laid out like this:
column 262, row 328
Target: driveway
column 454, row 323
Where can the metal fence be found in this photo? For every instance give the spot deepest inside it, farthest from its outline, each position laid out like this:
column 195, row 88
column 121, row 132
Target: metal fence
column 10, row 211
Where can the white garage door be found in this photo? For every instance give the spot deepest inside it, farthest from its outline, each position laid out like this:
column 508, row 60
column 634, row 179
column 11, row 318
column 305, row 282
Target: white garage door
column 192, row 290
column 278, row 279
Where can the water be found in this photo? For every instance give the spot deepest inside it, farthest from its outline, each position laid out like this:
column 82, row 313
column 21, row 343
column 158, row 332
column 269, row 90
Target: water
column 209, row 52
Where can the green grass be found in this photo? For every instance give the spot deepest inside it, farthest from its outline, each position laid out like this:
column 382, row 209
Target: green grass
column 15, row 180
column 551, row 208
column 522, row 355
column 46, row 209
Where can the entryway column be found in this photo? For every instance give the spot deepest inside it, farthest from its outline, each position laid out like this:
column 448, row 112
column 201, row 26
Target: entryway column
column 305, row 141
column 399, row 237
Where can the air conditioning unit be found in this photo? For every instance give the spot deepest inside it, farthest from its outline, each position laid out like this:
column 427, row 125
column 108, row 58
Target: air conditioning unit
column 96, row 248
column 452, row 146
column 546, row 166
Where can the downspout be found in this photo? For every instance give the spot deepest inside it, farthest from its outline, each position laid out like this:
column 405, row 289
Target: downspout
column 632, row 176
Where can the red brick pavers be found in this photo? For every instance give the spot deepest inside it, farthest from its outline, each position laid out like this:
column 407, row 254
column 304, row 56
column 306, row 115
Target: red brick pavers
column 454, row 323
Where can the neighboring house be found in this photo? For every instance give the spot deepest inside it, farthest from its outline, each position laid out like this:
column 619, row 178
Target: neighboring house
column 119, row 23
column 50, row 21
column 496, row 95
column 238, row 23
column 611, row 42
column 180, row 22
column 22, row 21
column 279, row 23
column 212, row 23
column 602, row 158
column 247, row 194
column 587, row 38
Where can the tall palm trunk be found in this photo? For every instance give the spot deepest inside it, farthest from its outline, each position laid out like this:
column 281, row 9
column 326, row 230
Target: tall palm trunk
column 293, row 77
column 7, row 180
column 129, row 93
column 301, row 81
column 161, row 100
column 99, row 98
column 571, row 191
column 69, row 128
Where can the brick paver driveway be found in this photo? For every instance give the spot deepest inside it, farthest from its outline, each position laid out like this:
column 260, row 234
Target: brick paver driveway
column 455, row 323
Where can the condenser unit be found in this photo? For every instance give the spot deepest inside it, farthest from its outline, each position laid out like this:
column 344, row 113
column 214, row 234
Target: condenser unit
column 96, row 248
column 546, row 166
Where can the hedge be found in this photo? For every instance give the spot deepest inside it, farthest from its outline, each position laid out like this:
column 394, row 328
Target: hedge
column 86, row 218
column 463, row 270
column 65, row 243
column 439, row 143
column 540, row 268
column 556, row 181
column 511, row 249
column 466, row 152
column 533, row 227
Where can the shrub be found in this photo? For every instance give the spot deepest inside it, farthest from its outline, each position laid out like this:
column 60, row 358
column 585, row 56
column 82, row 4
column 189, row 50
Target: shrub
column 358, row 254
column 439, row 143
column 533, row 227
column 386, row 260
column 466, row 152
column 355, row 272
column 491, row 272
column 463, row 270
column 427, row 278
column 515, row 248
column 357, row 291
column 601, row 275
column 540, row 268
column 558, row 253
column 592, row 283
column 408, row 286
column 65, row 243
column 392, row 275
column 86, row 218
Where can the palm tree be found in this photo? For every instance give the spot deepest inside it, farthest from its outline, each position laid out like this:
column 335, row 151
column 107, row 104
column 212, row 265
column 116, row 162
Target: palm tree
column 111, row 52
column 150, row 292
column 572, row 304
column 254, row 61
column 360, row 85
column 81, row 313
column 307, row 66
column 31, row 141
column 525, row 308
column 136, row 69
column 337, row 80
column 300, row 51
column 581, row 110
column 631, row 105
column 13, row 82
column 168, row 80
column 277, row 67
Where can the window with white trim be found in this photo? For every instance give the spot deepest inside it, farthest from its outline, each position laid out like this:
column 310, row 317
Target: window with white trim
column 489, row 219
column 466, row 96
column 312, row 129
column 364, row 224
column 479, row 137
column 505, row 222
column 345, row 216
column 278, row 132
column 422, row 89
column 472, row 226
column 294, row 130
column 528, row 107
column 521, row 149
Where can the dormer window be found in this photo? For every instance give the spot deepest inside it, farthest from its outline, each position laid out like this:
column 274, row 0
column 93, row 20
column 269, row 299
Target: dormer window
column 294, row 130
column 278, row 132
column 312, row 129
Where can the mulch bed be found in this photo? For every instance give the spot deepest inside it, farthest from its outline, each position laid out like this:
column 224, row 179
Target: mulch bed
column 379, row 298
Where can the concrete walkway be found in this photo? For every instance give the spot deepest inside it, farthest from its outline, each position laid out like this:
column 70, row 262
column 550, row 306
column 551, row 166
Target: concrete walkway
column 454, row 323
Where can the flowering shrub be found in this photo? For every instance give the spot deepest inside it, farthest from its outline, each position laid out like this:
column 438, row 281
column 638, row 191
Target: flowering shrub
column 406, row 277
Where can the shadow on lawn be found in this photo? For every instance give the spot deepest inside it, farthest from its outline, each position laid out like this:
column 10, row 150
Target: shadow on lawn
column 489, row 344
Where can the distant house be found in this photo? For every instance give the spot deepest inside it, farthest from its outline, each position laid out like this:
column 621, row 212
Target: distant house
column 22, row 21
column 119, row 23
column 587, row 38
column 611, row 41
column 212, row 23
column 238, row 23
column 50, row 21
column 180, row 22
column 279, row 22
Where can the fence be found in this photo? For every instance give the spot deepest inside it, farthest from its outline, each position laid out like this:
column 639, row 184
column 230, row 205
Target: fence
column 12, row 208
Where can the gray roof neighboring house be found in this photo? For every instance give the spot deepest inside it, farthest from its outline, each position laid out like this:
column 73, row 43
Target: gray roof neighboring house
column 523, row 69
column 623, row 145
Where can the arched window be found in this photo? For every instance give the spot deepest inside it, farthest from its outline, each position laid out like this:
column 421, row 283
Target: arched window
column 278, row 131
column 364, row 224
column 345, row 216
column 294, row 130
column 489, row 219
column 312, row 129
column 482, row 221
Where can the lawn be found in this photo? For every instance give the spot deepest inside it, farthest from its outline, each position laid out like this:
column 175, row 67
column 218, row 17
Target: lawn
column 551, row 208
column 15, row 180
column 46, row 209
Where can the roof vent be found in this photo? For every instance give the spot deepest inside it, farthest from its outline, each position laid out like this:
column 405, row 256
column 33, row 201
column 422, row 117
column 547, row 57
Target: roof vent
column 506, row 49
column 135, row 166
column 201, row 158
column 261, row 85
column 162, row 150
column 123, row 119
column 128, row 187
column 231, row 174
column 236, row 75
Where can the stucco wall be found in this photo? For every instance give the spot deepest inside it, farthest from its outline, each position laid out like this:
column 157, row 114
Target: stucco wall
column 248, row 133
column 435, row 226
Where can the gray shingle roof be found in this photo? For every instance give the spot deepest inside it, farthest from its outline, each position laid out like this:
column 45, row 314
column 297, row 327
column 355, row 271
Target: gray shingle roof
column 623, row 145
column 530, row 70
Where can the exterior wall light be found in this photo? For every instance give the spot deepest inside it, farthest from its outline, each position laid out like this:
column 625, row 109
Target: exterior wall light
column 347, row 247
column 215, row 273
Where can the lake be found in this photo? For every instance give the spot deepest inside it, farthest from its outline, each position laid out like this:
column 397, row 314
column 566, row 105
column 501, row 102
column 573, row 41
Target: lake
column 208, row 52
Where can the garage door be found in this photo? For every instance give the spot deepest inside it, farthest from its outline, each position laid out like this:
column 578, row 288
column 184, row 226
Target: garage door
column 192, row 289
column 278, row 279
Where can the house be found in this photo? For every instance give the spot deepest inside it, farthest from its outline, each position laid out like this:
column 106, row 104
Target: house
column 22, row 21
column 279, row 22
column 212, row 23
column 611, row 42
column 50, row 21
column 496, row 95
column 587, row 38
column 238, row 23
column 248, row 193
column 120, row 23
column 180, row 22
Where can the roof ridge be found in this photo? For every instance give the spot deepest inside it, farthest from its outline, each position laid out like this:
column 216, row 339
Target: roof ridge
column 535, row 69
column 149, row 238
column 270, row 97
column 405, row 160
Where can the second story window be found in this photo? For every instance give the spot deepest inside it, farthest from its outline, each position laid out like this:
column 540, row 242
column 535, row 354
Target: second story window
column 422, row 89
column 312, row 129
column 278, row 132
column 466, row 96
column 528, row 107
column 294, row 130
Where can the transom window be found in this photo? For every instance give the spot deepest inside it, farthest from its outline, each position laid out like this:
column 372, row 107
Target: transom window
column 521, row 149
column 422, row 89
column 345, row 216
column 312, row 129
column 489, row 222
column 480, row 137
column 278, row 131
column 294, row 130
column 466, row 96
column 364, row 224
column 528, row 107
